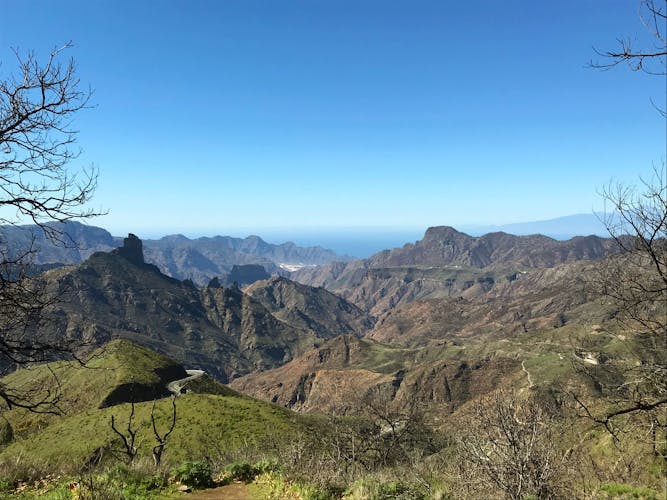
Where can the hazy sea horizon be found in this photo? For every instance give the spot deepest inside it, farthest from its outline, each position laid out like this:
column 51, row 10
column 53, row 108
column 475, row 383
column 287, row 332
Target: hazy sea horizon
column 363, row 242
column 358, row 244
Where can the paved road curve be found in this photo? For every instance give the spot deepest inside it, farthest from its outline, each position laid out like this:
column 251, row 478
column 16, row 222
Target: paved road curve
column 176, row 386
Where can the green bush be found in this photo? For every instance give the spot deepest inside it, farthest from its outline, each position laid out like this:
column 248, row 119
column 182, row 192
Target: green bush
column 123, row 483
column 241, row 471
column 273, row 484
column 6, row 431
column 627, row 491
column 378, row 490
column 399, row 490
column 60, row 492
column 266, row 465
column 195, row 474
column 6, row 486
column 330, row 492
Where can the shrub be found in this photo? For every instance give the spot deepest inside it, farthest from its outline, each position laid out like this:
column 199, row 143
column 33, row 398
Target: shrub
column 195, row 474
column 241, row 471
column 122, row 482
column 266, row 465
column 627, row 491
column 399, row 490
column 6, row 486
column 273, row 484
column 6, row 431
column 373, row 488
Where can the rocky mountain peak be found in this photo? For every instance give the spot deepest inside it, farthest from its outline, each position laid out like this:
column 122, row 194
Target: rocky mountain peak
column 132, row 249
column 440, row 233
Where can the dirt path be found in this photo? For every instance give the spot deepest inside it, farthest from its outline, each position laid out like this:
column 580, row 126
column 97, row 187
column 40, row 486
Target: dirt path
column 234, row 491
column 530, row 380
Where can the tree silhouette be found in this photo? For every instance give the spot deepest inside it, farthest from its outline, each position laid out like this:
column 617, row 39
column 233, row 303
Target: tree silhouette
column 37, row 185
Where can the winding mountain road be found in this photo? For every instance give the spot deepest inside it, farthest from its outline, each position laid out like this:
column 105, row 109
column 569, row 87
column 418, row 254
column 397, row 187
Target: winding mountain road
column 176, row 386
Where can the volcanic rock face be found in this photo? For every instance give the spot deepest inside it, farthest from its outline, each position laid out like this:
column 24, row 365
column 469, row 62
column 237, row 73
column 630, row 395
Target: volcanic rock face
column 132, row 250
column 310, row 308
column 245, row 275
column 445, row 246
column 534, row 300
column 447, row 263
column 199, row 259
column 343, row 373
column 221, row 330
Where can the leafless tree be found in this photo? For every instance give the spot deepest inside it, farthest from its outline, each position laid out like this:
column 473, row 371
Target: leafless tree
column 635, row 281
column 377, row 431
column 400, row 425
column 36, row 140
column 37, row 185
column 651, row 58
column 162, row 440
column 129, row 439
column 636, row 217
column 510, row 444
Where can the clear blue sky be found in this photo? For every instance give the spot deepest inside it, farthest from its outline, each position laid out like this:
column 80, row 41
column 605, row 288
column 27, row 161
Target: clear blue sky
column 219, row 117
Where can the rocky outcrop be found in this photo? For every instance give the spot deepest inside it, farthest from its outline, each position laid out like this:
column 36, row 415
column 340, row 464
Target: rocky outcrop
column 330, row 378
column 531, row 301
column 244, row 275
column 445, row 246
column 448, row 263
column 132, row 250
column 342, row 375
column 312, row 308
column 221, row 330
column 199, row 259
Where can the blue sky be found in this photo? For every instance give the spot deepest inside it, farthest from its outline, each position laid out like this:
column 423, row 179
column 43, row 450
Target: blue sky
column 232, row 117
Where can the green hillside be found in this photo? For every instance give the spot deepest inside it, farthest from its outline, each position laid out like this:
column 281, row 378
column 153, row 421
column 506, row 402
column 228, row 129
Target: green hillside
column 120, row 371
column 206, row 426
column 211, row 420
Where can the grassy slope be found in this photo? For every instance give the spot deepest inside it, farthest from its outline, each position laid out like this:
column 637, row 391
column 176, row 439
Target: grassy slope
column 206, row 425
column 82, row 388
column 215, row 420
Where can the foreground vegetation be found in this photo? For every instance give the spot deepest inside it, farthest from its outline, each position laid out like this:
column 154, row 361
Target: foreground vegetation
column 523, row 441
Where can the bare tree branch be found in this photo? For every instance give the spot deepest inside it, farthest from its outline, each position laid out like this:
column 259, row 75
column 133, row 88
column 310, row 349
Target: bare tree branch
column 636, row 283
column 652, row 15
column 129, row 440
column 162, row 440
column 37, row 185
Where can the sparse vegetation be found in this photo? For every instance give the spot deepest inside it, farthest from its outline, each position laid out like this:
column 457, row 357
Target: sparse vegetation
column 197, row 474
column 456, row 366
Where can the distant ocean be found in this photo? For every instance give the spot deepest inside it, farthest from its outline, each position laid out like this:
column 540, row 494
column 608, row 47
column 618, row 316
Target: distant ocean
column 361, row 243
column 356, row 243
column 364, row 243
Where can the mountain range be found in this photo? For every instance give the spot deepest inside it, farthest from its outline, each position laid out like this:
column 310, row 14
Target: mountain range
column 560, row 228
column 446, row 289
column 198, row 260
column 221, row 330
column 447, row 263
column 429, row 330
